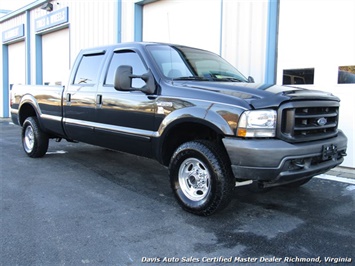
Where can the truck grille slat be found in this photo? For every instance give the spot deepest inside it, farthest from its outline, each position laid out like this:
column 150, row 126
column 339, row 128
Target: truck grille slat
column 314, row 127
column 316, row 116
column 307, row 121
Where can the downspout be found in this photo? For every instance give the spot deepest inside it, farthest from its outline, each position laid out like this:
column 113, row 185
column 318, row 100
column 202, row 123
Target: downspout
column 221, row 29
column 28, row 47
column 272, row 41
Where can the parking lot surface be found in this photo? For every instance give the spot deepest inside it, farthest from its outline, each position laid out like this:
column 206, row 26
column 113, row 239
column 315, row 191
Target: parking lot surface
column 85, row 205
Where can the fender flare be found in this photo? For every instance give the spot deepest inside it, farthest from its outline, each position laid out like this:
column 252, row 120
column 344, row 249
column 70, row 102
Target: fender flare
column 31, row 100
column 208, row 117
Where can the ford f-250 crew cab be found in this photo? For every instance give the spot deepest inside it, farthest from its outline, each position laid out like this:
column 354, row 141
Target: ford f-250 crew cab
column 193, row 112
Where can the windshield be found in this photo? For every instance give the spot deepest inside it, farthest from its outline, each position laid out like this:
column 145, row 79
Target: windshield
column 184, row 63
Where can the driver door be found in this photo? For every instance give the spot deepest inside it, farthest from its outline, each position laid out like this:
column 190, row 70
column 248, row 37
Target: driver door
column 125, row 118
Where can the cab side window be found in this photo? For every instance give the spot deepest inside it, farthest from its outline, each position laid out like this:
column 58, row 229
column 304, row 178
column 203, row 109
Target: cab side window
column 88, row 70
column 126, row 58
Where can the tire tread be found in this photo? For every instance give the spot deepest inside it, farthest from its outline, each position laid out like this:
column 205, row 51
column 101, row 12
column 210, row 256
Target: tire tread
column 220, row 164
column 41, row 138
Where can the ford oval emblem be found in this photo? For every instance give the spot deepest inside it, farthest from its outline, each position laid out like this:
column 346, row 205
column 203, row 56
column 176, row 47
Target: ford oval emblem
column 322, row 121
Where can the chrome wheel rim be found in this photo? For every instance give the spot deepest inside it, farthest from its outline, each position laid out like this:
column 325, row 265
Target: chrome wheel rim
column 29, row 140
column 194, row 179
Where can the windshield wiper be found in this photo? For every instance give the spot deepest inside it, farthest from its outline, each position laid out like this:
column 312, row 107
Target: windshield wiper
column 192, row 78
column 198, row 78
column 232, row 79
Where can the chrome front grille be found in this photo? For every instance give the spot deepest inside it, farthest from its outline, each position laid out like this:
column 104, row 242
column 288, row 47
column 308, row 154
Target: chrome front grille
column 307, row 121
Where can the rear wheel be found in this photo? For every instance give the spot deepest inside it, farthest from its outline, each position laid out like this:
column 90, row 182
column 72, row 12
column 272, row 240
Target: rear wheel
column 34, row 140
column 201, row 178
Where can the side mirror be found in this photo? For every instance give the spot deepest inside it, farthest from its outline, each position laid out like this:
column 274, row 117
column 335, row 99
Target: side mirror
column 123, row 81
column 149, row 80
column 124, row 76
column 251, row 79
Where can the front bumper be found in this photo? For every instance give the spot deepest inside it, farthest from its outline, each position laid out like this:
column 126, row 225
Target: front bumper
column 275, row 161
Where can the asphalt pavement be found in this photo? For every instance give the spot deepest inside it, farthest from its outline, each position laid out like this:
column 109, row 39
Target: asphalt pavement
column 85, row 205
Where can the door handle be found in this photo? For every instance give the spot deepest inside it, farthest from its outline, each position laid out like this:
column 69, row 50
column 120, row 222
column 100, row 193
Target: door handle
column 99, row 100
column 68, row 98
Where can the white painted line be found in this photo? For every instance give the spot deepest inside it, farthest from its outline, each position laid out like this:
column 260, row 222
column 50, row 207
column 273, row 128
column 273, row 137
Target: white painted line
column 336, row 178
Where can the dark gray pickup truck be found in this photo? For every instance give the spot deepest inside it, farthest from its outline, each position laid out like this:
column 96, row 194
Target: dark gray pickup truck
column 193, row 112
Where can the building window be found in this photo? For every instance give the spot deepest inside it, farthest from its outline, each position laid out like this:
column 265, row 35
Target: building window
column 298, row 76
column 346, row 74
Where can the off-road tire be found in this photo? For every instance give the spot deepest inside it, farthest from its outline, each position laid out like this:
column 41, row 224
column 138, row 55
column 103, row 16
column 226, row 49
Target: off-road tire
column 201, row 177
column 34, row 140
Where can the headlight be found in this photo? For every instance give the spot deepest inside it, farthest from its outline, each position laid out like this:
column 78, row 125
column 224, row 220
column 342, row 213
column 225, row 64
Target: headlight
column 257, row 123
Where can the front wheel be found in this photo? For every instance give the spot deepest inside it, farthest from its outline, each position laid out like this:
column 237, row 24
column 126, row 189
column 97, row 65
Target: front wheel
column 201, row 177
column 34, row 140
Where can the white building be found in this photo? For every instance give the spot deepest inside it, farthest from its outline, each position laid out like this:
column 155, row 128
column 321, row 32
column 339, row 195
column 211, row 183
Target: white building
column 275, row 41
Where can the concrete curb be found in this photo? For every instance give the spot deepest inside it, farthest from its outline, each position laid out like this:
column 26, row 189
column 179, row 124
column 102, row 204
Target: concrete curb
column 342, row 172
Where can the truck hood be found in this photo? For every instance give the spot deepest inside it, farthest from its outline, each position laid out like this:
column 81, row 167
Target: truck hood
column 260, row 95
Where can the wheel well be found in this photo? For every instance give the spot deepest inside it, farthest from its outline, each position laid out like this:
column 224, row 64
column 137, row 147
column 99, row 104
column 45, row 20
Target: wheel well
column 184, row 132
column 26, row 111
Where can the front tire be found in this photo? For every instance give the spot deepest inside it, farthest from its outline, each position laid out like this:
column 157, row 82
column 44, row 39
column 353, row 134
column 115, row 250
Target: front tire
column 34, row 140
column 201, row 177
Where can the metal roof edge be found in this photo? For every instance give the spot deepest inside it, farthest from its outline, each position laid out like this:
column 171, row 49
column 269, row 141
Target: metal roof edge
column 5, row 11
column 22, row 10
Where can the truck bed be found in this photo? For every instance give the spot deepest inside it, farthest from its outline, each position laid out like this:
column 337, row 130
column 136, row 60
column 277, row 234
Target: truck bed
column 48, row 102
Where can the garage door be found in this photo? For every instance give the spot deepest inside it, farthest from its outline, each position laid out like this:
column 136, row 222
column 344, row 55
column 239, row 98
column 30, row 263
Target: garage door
column 327, row 47
column 17, row 63
column 193, row 23
column 56, row 58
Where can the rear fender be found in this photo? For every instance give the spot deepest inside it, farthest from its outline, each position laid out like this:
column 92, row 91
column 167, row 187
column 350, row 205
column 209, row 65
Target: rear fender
column 24, row 112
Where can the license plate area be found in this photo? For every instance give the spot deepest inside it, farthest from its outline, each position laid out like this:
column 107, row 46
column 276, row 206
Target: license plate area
column 329, row 152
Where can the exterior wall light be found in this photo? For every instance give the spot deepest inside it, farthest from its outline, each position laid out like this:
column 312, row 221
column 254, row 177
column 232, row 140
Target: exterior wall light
column 47, row 6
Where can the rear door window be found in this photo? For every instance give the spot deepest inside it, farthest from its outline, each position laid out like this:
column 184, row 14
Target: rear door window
column 88, row 70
